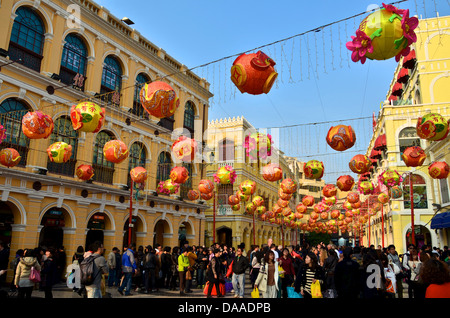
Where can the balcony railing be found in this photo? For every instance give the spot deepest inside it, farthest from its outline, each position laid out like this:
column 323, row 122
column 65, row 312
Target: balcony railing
column 29, row 58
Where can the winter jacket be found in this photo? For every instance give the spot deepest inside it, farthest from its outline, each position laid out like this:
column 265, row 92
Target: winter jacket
column 112, row 260
column 346, row 278
column 183, row 262
column 300, row 280
column 49, row 273
column 261, row 280
column 23, row 271
column 128, row 261
column 240, row 265
column 150, row 261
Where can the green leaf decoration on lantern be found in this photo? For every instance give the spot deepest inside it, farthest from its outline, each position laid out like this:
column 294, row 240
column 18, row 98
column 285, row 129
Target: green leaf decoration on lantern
column 376, row 33
column 87, row 118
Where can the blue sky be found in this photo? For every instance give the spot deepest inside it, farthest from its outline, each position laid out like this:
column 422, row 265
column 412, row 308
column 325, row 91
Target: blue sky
column 202, row 31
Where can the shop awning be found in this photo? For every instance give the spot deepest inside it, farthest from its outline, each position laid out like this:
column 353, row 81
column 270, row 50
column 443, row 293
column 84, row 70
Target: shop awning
column 440, row 221
column 380, row 142
column 375, row 154
column 397, row 90
column 403, row 76
column 409, row 61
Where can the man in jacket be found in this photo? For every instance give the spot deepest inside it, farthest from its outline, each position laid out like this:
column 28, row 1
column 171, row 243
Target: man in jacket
column 189, row 274
column 346, row 276
column 112, row 266
column 240, row 265
column 100, row 267
column 150, row 263
column 128, row 268
column 183, row 265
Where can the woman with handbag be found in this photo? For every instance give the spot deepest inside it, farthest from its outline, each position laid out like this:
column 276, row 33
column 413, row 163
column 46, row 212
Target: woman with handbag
column 308, row 274
column 267, row 280
column 287, row 279
column 27, row 264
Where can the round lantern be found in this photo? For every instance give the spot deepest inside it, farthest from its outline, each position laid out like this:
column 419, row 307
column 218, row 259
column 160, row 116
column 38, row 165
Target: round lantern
column 414, row 156
column 272, row 172
column 341, row 137
column 87, row 117
column 329, row 200
column 205, row 186
column 250, row 208
column 288, row 186
column 258, row 145
column 84, row 172
column 179, row 175
column 159, row 99
column 360, row 164
column 242, row 197
column 277, row 209
column 365, row 187
column 247, row 187
column 115, row 151
column 345, row 183
column 168, row 187
column 261, row 209
column 335, row 214
column 383, row 198
column 308, row 200
column 390, row 178
column 433, row 127
column 59, row 152
column 324, row 215
column 377, row 206
column 320, row 207
column 298, row 215
column 284, row 196
column 352, row 197
column 313, row 169
column 9, row 157
column 395, row 192
column 184, row 149
column 282, row 203
column 301, row 208
column 233, row 199
column 347, row 205
column 236, row 207
column 258, row 200
column 314, row 216
column 329, row 190
column 37, row 125
column 253, row 73
column 225, row 175
column 138, row 174
column 286, row 211
column 207, row 196
column 193, row 195
column 438, row 170
column 383, row 34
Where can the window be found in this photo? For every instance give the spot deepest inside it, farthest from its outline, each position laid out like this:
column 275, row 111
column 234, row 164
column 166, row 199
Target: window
column 111, row 80
column 226, row 150
column 419, row 192
column 444, row 191
column 185, row 187
column 73, row 61
column 223, row 193
column 164, row 167
column 63, row 131
column 137, row 158
column 27, row 38
column 167, row 122
column 189, row 117
column 11, row 113
column 138, row 110
column 408, row 138
column 103, row 169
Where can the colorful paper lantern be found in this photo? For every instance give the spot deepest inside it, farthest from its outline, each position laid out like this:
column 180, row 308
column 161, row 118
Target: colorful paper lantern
column 250, row 208
column 168, row 187
column 345, row 183
column 37, row 125
column 356, row 205
column 335, row 214
column 258, row 145
column 329, row 190
column 438, row 170
column 282, row 203
column 253, row 73
column 205, row 186
column 341, row 137
column 395, row 192
column 330, row 200
column 432, row 127
column 225, row 175
column 377, row 206
column 414, row 156
column 277, row 209
column 308, row 200
column 286, row 211
column 272, row 172
column 233, row 199
column 87, row 116
column 236, row 207
column 301, row 208
column 360, row 164
column 59, row 152
column 365, row 187
column 9, row 157
column 193, row 195
column 383, row 198
column 288, row 185
column 248, row 187
column 84, row 172
column 390, row 178
column 261, row 209
column 313, row 169
column 352, row 197
column 242, row 197
column 383, row 34
column 314, row 215
column 347, row 205
column 258, row 200
column 115, row 151
column 138, row 174
column 206, row 196
column 179, row 175
column 284, row 196
column 159, row 99
column 184, row 149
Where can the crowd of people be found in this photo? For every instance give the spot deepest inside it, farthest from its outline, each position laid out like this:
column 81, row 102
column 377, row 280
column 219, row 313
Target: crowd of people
column 275, row 271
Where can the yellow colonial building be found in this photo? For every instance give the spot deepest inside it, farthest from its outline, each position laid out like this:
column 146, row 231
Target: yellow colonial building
column 420, row 85
column 53, row 55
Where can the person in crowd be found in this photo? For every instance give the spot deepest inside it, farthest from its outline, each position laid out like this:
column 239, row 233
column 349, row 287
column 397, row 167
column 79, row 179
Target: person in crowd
column 190, row 270
column 138, row 277
column 256, row 265
column 183, row 266
column 111, row 261
column 372, row 276
column 435, row 274
column 308, row 273
column 129, row 267
column 239, row 267
column 329, row 267
column 149, row 270
column 78, row 255
column 412, row 271
column 267, row 280
column 4, row 260
column 203, row 261
column 22, row 279
column 346, row 276
column 13, row 266
column 49, row 273
column 390, row 280
column 118, row 274
column 174, row 268
column 287, row 263
column 213, row 274
column 100, row 268
column 394, row 258
column 166, row 263
column 273, row 248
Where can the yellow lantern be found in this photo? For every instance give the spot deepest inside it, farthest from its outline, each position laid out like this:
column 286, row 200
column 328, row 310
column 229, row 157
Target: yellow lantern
column 87, row 117
column 59, row 152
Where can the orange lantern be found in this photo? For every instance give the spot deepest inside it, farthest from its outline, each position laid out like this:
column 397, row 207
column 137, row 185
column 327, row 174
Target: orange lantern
column 159, row 99
column 37, row 125
column 236, row 207
column 314, row 216
column 184, row 149
column 59, row 152
column 345, row 183
column 247, row 187
column 352, row 197
column 383, row 198
column 250, row 208
column 205, row 186
column 286, row 211
column 324, row 215
column 206, row 196
column 277, row 209
column 233, row 199
column 308, row 200
column 356, row 205
column 253, row 73
column 288, row 186
column 284, row 196
column 335, row 214
column 329, row 190
column 261, row 209
column 272, row 172
column 282, row 203
column 301, row 208
column 179, row 175
column 341, row 137
column 433, row 127
column 115, row 151
column 138, row 174
column 414, row 156
column 9, row 157
column 85, row 172
column 438, row 170
column 360, row 164
column 193, row 195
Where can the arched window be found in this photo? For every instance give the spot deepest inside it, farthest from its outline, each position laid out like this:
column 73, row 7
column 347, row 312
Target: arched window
column 137, row 156
column 64, row 131
column 74, row 61
column 103, row 169
column 164, row 167
column 11, row 112
column 419, row 192
column 138, row 110
column 111, row 80
column 27, row 38
column 226, row 150
column 408, row 138
column 189, row 116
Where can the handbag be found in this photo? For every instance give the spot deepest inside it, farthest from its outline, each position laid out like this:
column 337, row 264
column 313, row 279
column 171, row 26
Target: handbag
column 35, row 275
column 255, row 293
column 292, row 294
column 281, row 271
column 316, row 291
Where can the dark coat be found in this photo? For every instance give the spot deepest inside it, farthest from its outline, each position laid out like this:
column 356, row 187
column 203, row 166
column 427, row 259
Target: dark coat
column 300, row 280
column 49, row 273
column 346, row 278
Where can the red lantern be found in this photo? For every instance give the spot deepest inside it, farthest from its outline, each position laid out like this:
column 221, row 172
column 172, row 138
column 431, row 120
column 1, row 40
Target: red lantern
column 207, row 196
column 438, row 170
column 159, row 99
column 335, row 214
column 179, row 175
column 352, row 197
column 356, row 205
column 277, row 209
column 233, row 199
column 308, row 200
column 345, row 183
column 288, row 186
column 324, row 215
column 9, row 157
column 138, row 174
column 341, row 137
column 205, row 186
column 272, row 172
column 301, row 208
column 314, row 215
column 360, row 164
column 253, row 73
column 85, row 172
column 286, row 211
column 184, row 149
column 284, row 196
column 414, row 156
column 282, row 203
column 115, row 151
column 37, row 125
column 383, row 198
column 193, row 195
column 329, row 190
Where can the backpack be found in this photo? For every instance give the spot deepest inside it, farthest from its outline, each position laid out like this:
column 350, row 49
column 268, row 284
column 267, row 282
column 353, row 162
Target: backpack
column 87, row 271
